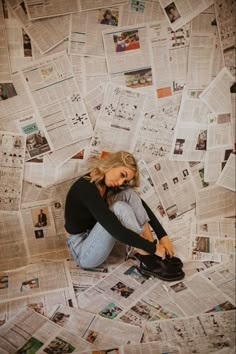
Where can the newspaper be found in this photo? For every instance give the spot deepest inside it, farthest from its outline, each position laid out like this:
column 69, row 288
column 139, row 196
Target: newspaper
column 141, row 12
column 5, row 68
column 156, row 133
column 35, row 279
column 95, row 329
column 93, row 101
column 179, row 12
column 95, row 72
column 225, row 16
column 42, row 304
column 60, row 156
column 215, row 162
column 217, row 94
column 227, row 176
column 90, row 4
column 128, row 56
column 37, row 9
column 19, row 44
column 14, row 253
column 173, row 183
column 12, row 152
column 233, row 116
column 223, row 277
column 201, row 50
column 213, row 240
column 169, row 51
column 120, row 116
column 35, row 331
column 204, row 333
column 57, row 98
column 46, row 33
column 219, row 131
column 118, row 291
column 86, row 30
column 190, row 137
column 214, row 201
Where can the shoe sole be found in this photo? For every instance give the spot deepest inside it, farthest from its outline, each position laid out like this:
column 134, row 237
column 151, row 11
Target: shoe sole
column 146, row 272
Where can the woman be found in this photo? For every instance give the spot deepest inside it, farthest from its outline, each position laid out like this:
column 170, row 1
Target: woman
column 102, row 207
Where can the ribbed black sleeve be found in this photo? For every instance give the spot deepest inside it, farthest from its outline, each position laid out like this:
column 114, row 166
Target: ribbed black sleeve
column 155, row 224
column 85, row 206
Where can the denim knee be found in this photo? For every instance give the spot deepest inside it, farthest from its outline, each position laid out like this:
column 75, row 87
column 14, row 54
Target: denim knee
column 126, row 216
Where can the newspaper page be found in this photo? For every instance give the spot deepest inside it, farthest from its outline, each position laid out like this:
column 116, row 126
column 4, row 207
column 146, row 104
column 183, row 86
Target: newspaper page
column 93, row 101
column 86, row 5
column 190, row 135
column 112, row 295
column 42, row 304
column 95, row 329
column 201, row 49
column 214, row 201
column 128, row 56
column 215, row 162
column 14, row 252
column 60, row 156
column 173, row 183
column 45, row 34
column 219, row 131
column 193, row 267
column 141, row 12
column 58, row 100
column 30, row 330
column 196, row 295
column 83, row 279
column 154, row 305
column 169, row 51
column 227, row 177
column 5, row 68
column 120, row 116
column 156, row 133
column 44, row 229
column 179, row 12
column 37, row 10
column 95, row 72
column 203, row 333
column 213, row 240
column 35, row 279
column 217, row 94
column 86, row 30
column 225, row 16
column 12, row 149
column 223, row 277
column 19, row 44
column 33, row 192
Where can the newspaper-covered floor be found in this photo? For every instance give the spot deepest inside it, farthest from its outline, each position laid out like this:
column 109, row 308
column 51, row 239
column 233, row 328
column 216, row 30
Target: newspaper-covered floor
column 81, row 78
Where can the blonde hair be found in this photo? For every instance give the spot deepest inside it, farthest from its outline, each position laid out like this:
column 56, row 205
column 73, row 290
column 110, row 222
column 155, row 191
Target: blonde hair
column 120, row 158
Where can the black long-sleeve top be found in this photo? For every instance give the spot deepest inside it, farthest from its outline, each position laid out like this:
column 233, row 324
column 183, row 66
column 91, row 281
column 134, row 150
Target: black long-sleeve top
column 85, row 207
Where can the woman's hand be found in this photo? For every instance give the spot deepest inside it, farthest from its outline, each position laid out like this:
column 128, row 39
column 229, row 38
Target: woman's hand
column 160, row 251
column 167, row 244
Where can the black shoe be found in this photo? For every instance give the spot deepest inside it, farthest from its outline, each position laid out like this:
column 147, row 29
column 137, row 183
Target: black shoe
column 168, row 269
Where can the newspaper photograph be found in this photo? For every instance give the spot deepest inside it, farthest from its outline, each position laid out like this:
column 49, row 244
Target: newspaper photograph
column 178, row 13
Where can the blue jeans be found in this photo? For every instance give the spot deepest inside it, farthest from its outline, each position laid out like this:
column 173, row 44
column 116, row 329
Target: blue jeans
column 91, row 248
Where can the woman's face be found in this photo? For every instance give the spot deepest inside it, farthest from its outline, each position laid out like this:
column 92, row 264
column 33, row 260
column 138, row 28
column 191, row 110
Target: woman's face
column 117, row 176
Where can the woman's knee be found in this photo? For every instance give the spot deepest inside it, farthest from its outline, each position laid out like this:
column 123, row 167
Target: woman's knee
column 120, row 208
